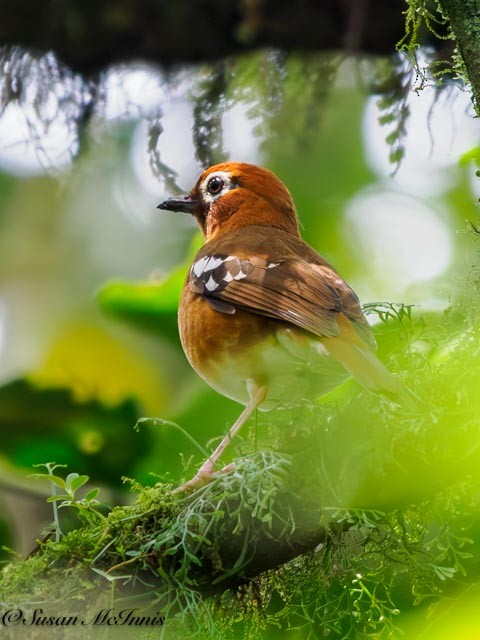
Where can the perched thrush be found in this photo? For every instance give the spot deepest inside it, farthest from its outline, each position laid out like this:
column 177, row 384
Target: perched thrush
column 263, row 318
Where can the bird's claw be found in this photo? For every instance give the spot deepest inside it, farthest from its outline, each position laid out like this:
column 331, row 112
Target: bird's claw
column 204, row 475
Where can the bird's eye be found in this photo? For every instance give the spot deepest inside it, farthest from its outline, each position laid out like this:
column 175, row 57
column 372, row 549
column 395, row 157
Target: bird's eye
column 215, row 185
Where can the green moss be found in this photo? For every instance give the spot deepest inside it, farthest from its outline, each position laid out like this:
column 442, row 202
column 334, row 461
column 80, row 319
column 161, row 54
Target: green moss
column 446, row 20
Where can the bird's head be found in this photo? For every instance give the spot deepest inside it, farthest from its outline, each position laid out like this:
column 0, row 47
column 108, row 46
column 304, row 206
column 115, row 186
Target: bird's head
column 236, row 194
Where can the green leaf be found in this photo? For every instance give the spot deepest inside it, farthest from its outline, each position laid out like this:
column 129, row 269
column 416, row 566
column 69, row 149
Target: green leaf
column 392, row 137
column 444, row 573
column 155, row 298
column 396, row 155
column 74, row 481
column 56, row 480
column 386, row 118
column 151, row 306
column 92, row 494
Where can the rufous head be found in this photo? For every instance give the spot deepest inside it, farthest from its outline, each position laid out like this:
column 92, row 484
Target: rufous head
column 236, row 194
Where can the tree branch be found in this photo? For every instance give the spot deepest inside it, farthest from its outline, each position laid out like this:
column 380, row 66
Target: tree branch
column 464, row 17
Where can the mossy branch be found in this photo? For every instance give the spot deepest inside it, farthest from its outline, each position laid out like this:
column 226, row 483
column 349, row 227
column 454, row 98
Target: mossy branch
column 237, row 526
column 457, row 20
column 464, row 17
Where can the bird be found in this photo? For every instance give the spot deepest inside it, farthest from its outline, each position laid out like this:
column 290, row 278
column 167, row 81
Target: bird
column 263, row 318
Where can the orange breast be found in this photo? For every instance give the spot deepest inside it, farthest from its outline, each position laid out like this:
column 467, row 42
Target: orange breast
column 208, row 335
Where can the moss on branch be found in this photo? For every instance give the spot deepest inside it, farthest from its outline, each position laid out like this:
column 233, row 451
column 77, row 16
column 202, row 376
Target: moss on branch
column 464, row 17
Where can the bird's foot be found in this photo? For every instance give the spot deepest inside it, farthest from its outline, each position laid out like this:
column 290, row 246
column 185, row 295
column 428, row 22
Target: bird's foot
column 203, row 476
column 228, row 467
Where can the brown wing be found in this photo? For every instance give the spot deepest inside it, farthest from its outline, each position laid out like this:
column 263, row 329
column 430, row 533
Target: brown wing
column 294, row 290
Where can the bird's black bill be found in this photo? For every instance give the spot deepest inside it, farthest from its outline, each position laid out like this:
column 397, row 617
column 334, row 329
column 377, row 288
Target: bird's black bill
column 181, row 203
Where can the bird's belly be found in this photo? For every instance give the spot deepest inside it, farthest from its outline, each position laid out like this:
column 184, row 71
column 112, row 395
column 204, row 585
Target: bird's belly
column 289, row 380
column 229, row 351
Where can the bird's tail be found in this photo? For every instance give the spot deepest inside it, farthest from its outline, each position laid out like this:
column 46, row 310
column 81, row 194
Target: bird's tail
column 360, row 361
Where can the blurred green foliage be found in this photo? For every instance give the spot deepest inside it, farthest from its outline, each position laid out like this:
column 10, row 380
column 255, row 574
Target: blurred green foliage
column 84, row 435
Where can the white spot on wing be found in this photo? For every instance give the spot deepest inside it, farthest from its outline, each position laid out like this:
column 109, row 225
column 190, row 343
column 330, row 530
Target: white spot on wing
column 199, row 266
column 228, row 277
column 213, row 263
column 240, row 275
column 272, row 264
column 211, row 285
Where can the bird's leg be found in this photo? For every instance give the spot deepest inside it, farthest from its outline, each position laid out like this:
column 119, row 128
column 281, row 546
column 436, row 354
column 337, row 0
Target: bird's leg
column 257, row 396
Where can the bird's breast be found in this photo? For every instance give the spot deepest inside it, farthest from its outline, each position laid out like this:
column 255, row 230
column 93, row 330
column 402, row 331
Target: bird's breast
column 228, row 350
column 219, row 346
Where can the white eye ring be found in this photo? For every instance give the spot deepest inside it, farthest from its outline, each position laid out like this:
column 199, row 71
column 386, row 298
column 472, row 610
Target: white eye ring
column 220, row 178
